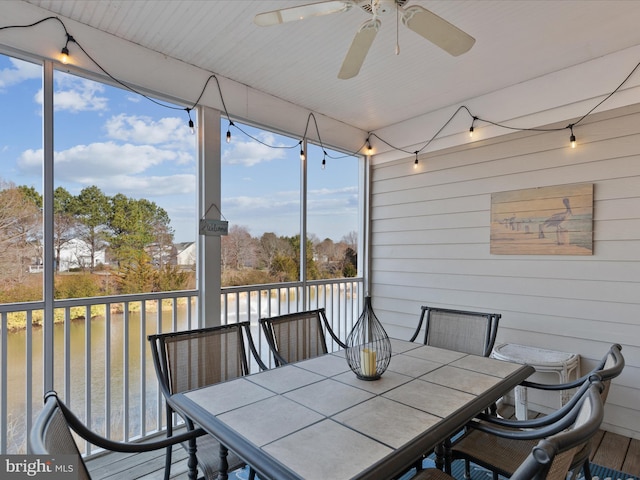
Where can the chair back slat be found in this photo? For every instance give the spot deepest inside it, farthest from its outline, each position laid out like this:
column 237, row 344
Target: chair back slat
column 459, row 330
column 196, row 358
column 205, row 358
column 298, row 336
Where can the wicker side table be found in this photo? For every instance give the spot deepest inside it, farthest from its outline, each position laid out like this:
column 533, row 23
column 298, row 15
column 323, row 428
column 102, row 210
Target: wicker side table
column 545, row 361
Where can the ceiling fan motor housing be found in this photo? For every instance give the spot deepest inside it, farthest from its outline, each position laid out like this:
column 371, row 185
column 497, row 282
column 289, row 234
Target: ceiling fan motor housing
column 381, row 7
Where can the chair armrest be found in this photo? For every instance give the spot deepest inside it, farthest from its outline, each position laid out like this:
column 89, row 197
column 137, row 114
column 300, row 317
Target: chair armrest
column 545, row 420
column 268, row 334
column 523, row 432
column 556, row 386
column 328, row 328
column 417, row 332
column 102, row 442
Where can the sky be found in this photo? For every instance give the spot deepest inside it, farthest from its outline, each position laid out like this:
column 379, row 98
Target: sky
column 125, row 143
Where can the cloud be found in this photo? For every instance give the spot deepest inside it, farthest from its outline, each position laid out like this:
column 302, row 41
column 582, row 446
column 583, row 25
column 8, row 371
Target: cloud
column 274, row 201
column 251, row 152
column 75, row 94
column 17, row 73
column 168, row 131
column 338, row 201
column 116, row 168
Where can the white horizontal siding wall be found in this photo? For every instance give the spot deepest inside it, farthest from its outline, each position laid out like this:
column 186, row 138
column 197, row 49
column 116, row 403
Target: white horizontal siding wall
column 430, row 245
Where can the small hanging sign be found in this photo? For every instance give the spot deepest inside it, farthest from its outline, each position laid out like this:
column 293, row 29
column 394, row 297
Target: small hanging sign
column 214, row 227
column 211, row 227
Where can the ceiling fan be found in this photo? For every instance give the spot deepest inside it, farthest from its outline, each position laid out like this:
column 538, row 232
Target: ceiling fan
column 425, row 23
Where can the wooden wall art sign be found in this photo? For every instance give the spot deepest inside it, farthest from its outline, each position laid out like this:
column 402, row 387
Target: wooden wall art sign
column 554, row 220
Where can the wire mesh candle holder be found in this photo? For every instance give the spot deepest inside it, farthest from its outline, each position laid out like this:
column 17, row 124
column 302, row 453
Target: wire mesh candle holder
column 368, row 346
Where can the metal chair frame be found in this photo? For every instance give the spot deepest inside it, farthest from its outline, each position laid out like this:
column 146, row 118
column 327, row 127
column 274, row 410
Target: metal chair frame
column 551, row 457
column 608, row 368
column 161, row 353
column 51, row 435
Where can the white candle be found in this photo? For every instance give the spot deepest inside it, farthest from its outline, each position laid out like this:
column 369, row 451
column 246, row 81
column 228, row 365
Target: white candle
column 368, row 362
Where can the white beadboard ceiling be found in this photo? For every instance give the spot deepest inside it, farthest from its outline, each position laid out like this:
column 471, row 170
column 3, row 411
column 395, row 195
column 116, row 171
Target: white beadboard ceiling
column 299, row 61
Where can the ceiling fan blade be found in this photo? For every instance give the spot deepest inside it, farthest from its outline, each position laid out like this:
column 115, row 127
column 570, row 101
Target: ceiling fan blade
column 437, row 30
column 359, row 49
column 301, row 12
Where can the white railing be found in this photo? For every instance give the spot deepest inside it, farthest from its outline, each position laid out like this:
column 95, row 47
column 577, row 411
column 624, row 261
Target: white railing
column 98, row 366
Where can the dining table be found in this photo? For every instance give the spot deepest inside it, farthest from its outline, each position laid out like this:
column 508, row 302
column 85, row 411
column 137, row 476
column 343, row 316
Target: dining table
column 315, row 420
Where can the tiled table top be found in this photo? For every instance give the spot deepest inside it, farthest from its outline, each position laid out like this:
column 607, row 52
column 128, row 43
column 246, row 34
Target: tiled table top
column 316, row 420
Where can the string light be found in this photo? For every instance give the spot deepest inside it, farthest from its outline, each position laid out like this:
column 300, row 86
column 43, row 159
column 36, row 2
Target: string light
column 471, row 129
column 324, row 159
column 572, row 138
column 64, row 58
column 192, row 127
column 64, row 53
column 229, row 131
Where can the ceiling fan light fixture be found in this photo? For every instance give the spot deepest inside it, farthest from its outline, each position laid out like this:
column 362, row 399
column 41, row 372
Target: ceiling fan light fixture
column 383, row 7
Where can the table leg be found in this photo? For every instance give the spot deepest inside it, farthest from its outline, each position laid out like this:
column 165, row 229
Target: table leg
column 192, row 463
column 440, row 455
column 448, row 456
column 224, row 464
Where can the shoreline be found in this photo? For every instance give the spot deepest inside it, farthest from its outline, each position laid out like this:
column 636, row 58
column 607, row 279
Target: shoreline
column 17, row 321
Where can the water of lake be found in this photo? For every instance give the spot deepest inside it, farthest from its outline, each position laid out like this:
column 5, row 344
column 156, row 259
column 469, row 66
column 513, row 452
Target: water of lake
column 106, row 347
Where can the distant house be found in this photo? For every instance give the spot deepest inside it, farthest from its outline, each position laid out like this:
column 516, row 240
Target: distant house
column 76, row 253
column 162, row 254
column 186, row 254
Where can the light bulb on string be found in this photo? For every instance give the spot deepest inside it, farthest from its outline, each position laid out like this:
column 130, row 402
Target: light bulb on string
column 64, row 55
column 229, row 132
column 192, row 127
column 415, row 164
column 324, row 162
column 369, row 147
column 471, row 128
column 572, row 138
column 302, row 156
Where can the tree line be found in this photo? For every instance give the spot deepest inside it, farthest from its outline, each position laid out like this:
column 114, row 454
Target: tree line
column 135, row 233
column 138, row 240
column 248, row 260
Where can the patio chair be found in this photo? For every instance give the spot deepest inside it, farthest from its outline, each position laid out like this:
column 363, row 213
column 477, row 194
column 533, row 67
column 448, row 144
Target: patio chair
column 197, row 358
column 551, row 458
column 480, row 446
column 459, row 330
column 51, row 435
column 298, row 336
